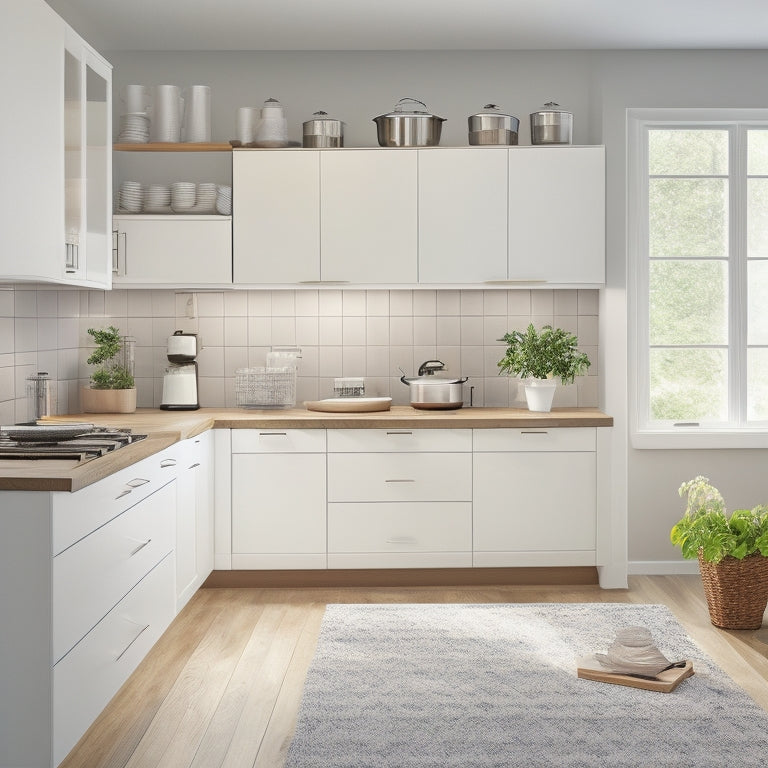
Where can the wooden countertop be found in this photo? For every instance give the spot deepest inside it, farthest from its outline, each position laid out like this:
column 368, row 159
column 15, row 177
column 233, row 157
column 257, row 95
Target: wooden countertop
column 167, row 427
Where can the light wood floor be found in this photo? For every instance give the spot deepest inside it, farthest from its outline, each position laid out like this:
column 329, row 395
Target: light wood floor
column 222, row 686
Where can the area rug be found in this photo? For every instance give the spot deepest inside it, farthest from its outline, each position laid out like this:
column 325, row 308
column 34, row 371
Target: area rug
column 475, row 686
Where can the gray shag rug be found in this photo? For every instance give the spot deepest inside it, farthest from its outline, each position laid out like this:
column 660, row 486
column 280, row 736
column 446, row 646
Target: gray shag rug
column 473, row 686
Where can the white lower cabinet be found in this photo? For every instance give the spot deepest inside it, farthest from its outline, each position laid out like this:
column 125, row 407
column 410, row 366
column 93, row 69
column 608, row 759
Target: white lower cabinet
column 278, row 499
column 534, row 497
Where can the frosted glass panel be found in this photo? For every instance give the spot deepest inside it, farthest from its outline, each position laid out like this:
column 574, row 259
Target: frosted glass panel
column 757, row 385
column 757, row 217
column 688, row 217
column 688, row 302
column 757, row 302
column 689, row 384
column 757, row 152
column 688, row 153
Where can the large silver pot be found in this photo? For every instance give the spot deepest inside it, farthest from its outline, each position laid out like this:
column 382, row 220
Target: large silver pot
column 430, row 392
column 551, row 125
column 404, row 127
column 492, row 126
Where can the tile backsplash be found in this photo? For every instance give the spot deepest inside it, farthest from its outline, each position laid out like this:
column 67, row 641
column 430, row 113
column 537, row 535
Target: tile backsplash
column 369, row 333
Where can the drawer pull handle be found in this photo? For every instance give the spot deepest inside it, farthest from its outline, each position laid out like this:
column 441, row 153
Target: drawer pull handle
column 399, row 481
column 403, row 540
column 137, row 482
column 141, row 546
column 141, row 632
column 399, row 433
column 534, row 432
column 167, row 463
column 273, row 434
column 122, row 493
column 196, row 464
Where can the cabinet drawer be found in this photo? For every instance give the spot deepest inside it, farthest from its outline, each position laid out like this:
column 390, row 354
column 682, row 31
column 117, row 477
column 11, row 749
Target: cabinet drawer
column 399, row 440
column 77, row 514
column 403, row 527
column 278, row 441
column 89, row 676
column 92, row 576
column 536, row 439
column 399, row 477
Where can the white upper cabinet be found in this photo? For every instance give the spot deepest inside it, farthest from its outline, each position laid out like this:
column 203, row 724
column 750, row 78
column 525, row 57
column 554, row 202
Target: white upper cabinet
column 557, row 214
column 58, row 151
column 276, row 216
column 462, row 215
column 368, row 205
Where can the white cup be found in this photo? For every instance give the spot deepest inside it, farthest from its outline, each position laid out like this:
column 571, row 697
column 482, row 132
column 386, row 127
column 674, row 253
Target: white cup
column 197, row 116
column 245, row 127
column 136, row 98
column 167, row 113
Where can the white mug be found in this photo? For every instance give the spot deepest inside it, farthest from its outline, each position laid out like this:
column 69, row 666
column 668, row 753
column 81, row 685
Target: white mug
column 136, row 98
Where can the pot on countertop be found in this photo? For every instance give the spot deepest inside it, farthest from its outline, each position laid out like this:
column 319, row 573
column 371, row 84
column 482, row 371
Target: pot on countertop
column 430, row 392
column 404, row 127
column 551, row 125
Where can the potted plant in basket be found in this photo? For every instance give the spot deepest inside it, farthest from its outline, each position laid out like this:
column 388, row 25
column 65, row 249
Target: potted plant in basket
column 540, row 358
column 112, row 388
column 732, row 553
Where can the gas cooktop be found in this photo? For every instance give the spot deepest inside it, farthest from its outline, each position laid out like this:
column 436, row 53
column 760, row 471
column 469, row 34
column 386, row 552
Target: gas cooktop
column 31, row 441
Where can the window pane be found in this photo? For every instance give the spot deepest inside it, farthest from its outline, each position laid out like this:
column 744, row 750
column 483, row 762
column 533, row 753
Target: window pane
column 689, row 384
column 688, row 217
column 688, row 302
column 757, row 384
column 757, row 152
column 757, row 302
column 684, row 152
column 757, row 217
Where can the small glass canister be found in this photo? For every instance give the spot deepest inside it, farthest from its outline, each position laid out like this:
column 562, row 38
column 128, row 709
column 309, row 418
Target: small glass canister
column 40, row 399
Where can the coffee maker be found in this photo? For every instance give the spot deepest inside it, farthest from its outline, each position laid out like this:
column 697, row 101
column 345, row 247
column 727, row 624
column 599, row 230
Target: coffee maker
column 180, row 391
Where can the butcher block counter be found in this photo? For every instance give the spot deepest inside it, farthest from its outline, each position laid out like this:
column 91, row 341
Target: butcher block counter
column 164, row 428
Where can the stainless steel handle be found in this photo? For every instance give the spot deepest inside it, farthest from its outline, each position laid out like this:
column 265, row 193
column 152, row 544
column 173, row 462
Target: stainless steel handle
column 273, row 434
column 137, row 482
column 196, row 464
column 396, row 480
column 399, row 433
column 116, row 235
column 534, row 432
column 167, row 463
column 122, row 493
column 141, row 546
column 403, row 540
column 141, row 632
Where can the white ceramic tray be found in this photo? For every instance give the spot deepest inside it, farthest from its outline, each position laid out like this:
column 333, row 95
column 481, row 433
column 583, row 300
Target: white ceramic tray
column 349, row 404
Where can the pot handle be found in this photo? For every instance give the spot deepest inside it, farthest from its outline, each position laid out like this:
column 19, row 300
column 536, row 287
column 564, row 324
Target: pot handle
column 409, row 99
column 462, row 381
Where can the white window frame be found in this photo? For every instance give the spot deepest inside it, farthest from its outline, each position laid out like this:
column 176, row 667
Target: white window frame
column 642, row 433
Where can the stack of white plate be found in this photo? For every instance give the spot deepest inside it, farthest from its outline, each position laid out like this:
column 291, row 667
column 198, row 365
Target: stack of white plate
column 206, row 198
column 134, row 128
column 158, row 199
column 183, row 196
column 197, row 114
column 131, row 197
column 224, row 200
column 168, row 112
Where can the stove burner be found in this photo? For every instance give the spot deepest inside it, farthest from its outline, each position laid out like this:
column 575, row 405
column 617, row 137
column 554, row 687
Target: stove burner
column 90, row 445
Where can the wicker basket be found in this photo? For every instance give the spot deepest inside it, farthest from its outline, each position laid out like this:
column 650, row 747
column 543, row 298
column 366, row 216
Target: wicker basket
column 736, row 591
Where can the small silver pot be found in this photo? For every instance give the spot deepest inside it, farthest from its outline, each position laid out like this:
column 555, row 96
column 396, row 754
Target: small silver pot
column 405, row 127
column 492, row 127
column 551, row 125
column 323, row 131
column 429, row 392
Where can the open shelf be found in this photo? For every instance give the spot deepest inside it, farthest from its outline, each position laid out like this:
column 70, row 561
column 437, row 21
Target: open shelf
column 158, row 146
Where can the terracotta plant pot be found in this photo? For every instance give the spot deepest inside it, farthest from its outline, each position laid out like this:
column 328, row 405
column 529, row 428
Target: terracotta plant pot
column 107, row 400
column 736, row 591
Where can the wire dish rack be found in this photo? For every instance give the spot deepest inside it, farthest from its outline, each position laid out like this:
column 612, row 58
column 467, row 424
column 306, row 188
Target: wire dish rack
column 265, row 387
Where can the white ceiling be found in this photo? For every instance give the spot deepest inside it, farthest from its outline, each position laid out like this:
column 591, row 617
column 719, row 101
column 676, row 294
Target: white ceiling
column 209, row 25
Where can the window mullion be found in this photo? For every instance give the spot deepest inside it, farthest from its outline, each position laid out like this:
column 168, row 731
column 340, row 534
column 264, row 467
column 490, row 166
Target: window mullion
column 737, row 277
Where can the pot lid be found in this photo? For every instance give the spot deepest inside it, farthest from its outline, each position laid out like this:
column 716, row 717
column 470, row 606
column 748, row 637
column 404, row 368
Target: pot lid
column 552, row 106
column 409, row 107
column 322, row 117
column 431, row 380
column 492, row 109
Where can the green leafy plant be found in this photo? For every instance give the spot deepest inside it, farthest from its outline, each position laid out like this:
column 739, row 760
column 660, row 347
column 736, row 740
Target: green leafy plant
column 706, row 526
column 112, row 372
column 540, row 355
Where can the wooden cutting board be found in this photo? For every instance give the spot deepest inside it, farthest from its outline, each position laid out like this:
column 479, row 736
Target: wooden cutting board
column 349, row 404
column 589, row 668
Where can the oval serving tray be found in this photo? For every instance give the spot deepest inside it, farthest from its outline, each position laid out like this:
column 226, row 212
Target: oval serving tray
column 349, row 404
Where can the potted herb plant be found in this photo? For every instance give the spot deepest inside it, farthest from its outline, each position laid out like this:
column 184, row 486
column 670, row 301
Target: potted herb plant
column 540, row 358
column 112, row 385
column 732, row 553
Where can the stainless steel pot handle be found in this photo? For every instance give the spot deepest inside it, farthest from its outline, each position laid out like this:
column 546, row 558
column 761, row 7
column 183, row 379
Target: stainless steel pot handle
column 415, row 101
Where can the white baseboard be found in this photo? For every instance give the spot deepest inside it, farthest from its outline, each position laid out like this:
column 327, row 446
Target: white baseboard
column 662, row 567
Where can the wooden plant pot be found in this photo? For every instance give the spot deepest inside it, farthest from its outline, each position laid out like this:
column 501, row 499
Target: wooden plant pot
column 736, row 591
column 107, row 400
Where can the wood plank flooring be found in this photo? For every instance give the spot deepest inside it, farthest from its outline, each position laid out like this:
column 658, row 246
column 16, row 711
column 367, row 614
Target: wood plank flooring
column 221, row 689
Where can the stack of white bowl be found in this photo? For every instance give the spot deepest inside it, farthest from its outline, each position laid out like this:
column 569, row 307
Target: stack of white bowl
column 134, row 128
column 197, row 114
column 168, row 113
column 131, row 197
column 224, row 200
column 206, row 198
column 183, row 196
column 157, row 199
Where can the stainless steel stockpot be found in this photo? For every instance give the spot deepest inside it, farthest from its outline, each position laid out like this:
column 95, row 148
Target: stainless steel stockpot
column 430, row 392
column 492, row 126
column 412, row 127
column 323, row 131
column 551, row 125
